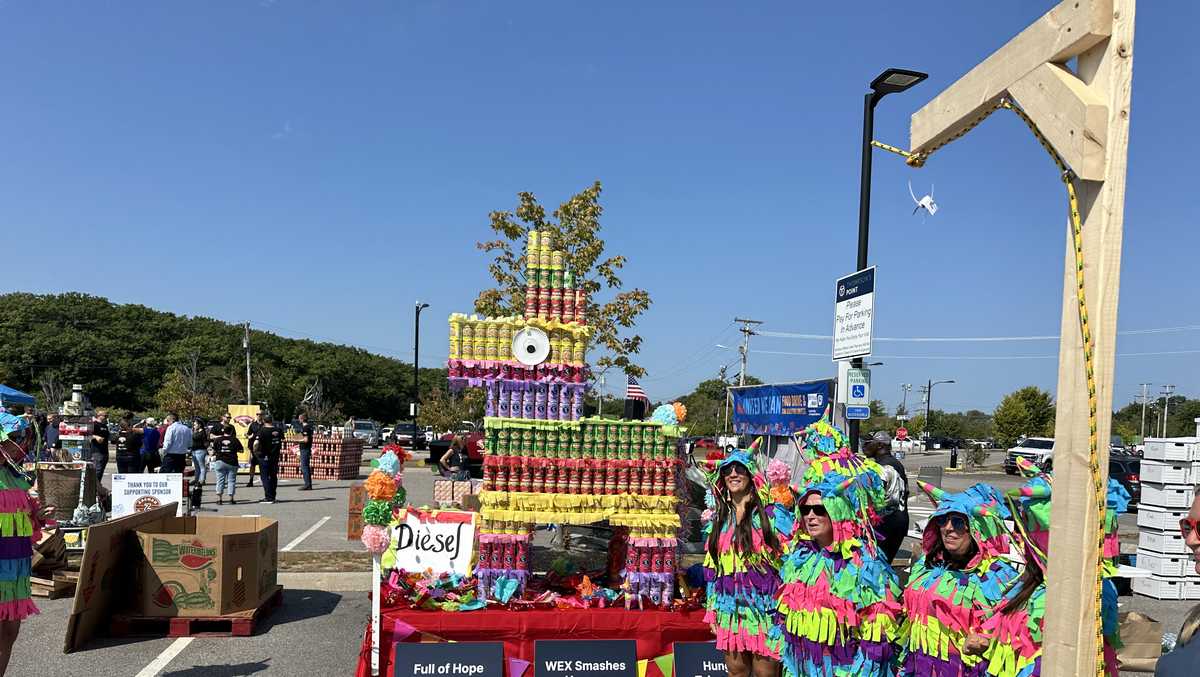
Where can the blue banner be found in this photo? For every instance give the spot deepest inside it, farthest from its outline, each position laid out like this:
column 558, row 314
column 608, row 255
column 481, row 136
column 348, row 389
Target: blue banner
column 779, row 409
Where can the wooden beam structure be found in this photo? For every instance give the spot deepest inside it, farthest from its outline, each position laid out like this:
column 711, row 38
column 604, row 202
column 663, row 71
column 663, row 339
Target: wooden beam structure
column 1084, row 116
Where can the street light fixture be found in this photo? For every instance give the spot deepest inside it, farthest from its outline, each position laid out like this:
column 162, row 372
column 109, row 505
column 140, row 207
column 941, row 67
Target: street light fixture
column 890, row 81
column 929, row 399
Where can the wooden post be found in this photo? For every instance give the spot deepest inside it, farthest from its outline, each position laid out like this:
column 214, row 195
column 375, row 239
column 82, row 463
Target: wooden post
column 1085, row 117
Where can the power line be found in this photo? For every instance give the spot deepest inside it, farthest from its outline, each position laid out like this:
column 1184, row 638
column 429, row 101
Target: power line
column 974, row 339
column 975, row 357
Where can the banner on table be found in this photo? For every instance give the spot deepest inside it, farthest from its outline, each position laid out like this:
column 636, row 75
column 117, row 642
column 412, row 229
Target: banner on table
column 780, row 409
column 139, row 492
column 442, row 541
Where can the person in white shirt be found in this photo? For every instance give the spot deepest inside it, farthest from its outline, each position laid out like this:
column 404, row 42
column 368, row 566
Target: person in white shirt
column 177, row 444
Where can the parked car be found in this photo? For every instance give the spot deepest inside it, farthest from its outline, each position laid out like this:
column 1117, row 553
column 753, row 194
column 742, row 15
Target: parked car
column 942, row 443
column 402, row 434
column 368, row 432
column 1040, row 450
column 1127, row 470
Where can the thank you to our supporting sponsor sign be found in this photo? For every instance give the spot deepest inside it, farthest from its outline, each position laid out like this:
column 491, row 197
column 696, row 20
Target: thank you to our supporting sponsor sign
column 778, row 409
column 445, row 659
column 139, row 492
column 853, row 312
column 699, row 659
column 586, row 658
column 439, row 540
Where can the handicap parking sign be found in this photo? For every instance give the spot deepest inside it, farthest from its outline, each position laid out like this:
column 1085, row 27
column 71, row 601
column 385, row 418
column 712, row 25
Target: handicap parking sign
column 858, row 391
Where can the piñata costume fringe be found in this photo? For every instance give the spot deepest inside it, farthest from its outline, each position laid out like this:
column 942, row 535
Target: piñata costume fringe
column 741, row 586
column 1016, row 646
column 19, row 527
column 943, row 605
column 841, row 603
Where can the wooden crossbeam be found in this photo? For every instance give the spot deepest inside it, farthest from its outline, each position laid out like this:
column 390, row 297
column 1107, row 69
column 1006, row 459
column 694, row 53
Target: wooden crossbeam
column 1071, row 115
column 1061, row 34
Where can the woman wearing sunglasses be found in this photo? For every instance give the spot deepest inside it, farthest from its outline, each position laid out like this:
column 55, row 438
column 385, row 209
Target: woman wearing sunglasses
column 21, row 518
column 747, row 537
column 1183, row 660
column 840, row 599
column 953, row 588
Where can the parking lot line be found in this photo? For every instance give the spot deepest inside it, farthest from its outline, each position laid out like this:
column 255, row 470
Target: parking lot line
column 156, row 666
column 309, row 532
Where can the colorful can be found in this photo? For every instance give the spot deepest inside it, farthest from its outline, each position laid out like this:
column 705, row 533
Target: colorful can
column 502, row 475
column 556, row 278
column 656, row 559
column 563, row 485
column 556, row 260
column 668, row 559
column 489, row 476
column 644, row 560
column 631, row 559
column 510, row 555
column 467, row 349
column 581, row 304
column 522, row 555
column 550, row 483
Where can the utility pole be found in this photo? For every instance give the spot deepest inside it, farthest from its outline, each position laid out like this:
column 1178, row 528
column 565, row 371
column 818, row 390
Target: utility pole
column 1145, row 397
column 246, row 346
column 721, row 375
column 905, row 389
column 1167, row 390
column 747, row 331
column 601, row 414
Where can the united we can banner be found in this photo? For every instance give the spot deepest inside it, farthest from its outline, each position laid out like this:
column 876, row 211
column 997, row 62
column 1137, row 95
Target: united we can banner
column 778, row 409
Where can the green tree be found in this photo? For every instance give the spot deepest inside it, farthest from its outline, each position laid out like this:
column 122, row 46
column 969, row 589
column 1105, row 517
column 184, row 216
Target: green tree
column 179, row 396
column 880, row 420
column 446, row 411
column 575, row 229
column 1028, row 411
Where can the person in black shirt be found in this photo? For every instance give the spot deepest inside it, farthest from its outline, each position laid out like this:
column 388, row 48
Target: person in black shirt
column 894, row 526
column 129, row 448
column 268, row 445
column 251, row 438
column 99, row 443
column 226, row 447
column 306, row 430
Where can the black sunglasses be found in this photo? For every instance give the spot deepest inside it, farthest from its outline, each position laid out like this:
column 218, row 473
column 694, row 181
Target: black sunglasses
column 734, row 467
column 818, row 510
column 957, row 522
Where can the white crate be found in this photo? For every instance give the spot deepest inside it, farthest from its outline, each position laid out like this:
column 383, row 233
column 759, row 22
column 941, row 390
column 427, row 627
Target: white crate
column 1167, row 495
column 1164, row 565
column 1163, row 519
column 1158, row 587
column 1165, row 542
column 1170, row 449
column 1167, row 472
column 1191, row 589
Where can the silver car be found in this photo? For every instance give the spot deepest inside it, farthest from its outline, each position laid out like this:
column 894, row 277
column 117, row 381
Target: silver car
column 368, row 432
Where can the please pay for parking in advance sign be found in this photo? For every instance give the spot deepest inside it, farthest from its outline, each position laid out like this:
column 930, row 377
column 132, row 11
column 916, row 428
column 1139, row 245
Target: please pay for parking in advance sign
column 854, row 310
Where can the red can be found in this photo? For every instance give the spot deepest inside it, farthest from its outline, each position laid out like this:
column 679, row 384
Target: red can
column 644, row 562
column 631, row 559
column 585, row 478
column 522, row 555
column 668, row 559
column 563, row 486
column 526, row 477
column 502, row 477
column 656, row 559
column 531, row 302
column 489, row 475
column 623, row 478
column 510, row 555
column 610, row 478
column 568, row 310
column 556, row 305
column 551, row 479
column 485, row 555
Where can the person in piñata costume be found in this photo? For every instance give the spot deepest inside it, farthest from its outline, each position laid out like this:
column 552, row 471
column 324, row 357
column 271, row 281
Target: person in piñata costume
column 955, row 585
column 20, row 527
column 840, row 599
column 1015, row 629
column 748, row 535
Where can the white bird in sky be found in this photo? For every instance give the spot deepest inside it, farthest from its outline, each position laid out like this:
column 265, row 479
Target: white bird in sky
column 925, row 203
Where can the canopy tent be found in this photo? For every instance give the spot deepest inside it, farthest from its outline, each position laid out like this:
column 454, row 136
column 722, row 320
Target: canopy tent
column 13, row 396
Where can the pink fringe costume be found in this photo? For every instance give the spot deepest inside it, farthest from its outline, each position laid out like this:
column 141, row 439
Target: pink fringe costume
column 19, row 528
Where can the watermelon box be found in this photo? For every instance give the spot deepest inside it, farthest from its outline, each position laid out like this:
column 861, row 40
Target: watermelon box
column 206, row 566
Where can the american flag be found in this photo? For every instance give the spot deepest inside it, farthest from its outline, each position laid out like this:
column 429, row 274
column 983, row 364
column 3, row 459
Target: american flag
column 633, row 391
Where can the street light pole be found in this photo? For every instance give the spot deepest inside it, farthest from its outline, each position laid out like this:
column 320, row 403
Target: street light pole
column 1145, row 396
column 416, row 370
column 890, row 81
column 905, row 388
column 928, row 400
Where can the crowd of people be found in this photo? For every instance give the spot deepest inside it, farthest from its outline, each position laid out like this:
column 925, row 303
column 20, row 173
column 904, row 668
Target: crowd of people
column 799, row 575
column 167, row 447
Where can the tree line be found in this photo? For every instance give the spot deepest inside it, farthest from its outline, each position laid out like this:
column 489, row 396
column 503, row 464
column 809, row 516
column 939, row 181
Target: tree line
column 134, row 358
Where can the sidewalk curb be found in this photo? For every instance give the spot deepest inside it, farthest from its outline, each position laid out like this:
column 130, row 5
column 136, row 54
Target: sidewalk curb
column 332, row 581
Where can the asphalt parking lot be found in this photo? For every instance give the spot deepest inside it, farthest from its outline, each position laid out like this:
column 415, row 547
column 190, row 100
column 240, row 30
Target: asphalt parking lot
column 319, row 628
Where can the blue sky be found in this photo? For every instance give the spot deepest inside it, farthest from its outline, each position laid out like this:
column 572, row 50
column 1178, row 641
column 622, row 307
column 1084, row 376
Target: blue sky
column 315, row 167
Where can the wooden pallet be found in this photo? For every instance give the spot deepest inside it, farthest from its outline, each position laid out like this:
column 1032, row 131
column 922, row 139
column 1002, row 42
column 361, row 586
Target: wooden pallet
column 240, row 624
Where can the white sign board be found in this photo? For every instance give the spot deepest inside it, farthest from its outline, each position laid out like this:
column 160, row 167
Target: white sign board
column 442, row 541
column 858, row 387
column 853, row 312
column 145, row 491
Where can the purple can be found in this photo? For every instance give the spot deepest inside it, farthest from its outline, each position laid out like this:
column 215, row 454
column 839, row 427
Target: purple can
column 527, row 404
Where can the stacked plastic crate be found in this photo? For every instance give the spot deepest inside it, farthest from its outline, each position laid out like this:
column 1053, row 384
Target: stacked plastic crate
column 1170, row 470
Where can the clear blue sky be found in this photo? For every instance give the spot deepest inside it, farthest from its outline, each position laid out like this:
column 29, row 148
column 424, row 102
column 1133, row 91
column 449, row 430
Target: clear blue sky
column 319, row 166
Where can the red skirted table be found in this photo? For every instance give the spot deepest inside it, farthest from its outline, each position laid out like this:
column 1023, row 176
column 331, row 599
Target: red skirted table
column 655, row 631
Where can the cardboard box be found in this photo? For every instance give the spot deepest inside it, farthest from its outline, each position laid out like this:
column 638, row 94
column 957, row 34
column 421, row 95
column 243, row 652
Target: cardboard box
column 206, row 566
column 354, row 526
column 358, row 497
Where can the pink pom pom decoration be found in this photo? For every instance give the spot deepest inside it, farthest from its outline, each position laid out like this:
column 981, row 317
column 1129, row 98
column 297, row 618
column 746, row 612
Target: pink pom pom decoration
column 375, row 538
column 778, row 472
